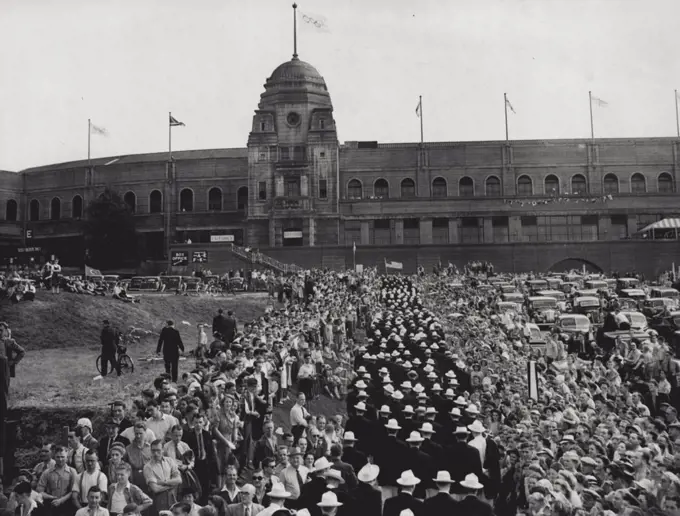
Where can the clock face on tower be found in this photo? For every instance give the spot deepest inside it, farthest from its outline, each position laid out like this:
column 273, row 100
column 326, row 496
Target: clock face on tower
column 293, row 119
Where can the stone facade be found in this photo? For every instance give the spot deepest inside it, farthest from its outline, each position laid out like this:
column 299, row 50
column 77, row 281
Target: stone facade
column 296, row 186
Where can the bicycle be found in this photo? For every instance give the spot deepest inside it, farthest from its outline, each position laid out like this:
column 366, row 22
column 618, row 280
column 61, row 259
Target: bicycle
column 125, row 362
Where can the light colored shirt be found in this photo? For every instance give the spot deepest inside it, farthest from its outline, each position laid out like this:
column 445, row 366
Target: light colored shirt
column 290, row 481
column 57, row 482
column 118, row 501
column 98, row 511
column 160, row 427
column 129, row 434
column 84, row 481
column 297, row 415
column 175, row 451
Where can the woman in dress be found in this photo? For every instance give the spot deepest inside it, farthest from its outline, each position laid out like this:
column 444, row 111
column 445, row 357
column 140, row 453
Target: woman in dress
column 226, row 427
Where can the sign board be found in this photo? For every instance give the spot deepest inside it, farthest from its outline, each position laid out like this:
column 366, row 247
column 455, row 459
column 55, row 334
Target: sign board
column 179, row 259
column 292, row 234
column 199, row 257
column 29, row 233
column 221, row 238
column 27, row 250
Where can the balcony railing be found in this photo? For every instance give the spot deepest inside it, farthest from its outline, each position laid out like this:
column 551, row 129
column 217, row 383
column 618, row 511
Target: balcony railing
column 298, row 162
column 291, row 203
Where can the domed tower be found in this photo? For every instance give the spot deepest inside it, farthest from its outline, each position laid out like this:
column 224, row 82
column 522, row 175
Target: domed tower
column 293, row 161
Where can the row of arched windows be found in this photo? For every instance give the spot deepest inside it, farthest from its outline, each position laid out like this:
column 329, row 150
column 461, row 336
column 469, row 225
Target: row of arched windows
column 525, row 186
column 186, row 203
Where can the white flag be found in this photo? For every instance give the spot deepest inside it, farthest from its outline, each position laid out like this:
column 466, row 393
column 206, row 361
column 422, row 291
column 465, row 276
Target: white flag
column 313, row 21
column 507, row 101
column 599, row 102
column 98, row 130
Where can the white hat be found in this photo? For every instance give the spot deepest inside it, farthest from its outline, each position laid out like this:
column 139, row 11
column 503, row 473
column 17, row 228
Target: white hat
column 278, row 491
column 461, row 430
column 335, row 474
column 360, row 384
column 248, row 488
column 455, row 411
column 406, row 385
column 431, row 410
column 398, row 395
column 408, row 409
column 419, row 388
column 368, row 473
column 385, row 409
column 349, row 436
column 360, row 406
column 405, row 512
column 415, row 438
column 382, row 370
column 84, row 422
column 477, row 427
column 449, row 392
column 407, row 478
column 427, row 428
column 437, row 387
column 392, row 425
column 471, row 482
column 443, row 476
column 472, row 409
column 460, row 400
column 329, row 499
column 362, row 369
column 322, row 464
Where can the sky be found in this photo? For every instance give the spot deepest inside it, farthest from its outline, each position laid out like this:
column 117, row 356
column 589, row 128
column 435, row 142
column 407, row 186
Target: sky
column 126, row 63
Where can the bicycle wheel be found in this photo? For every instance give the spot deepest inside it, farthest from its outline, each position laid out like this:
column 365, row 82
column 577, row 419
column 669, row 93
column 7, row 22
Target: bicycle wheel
column 99, row 364
column 126, row 364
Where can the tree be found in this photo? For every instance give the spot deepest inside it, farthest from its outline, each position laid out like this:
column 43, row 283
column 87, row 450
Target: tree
column 110, row 236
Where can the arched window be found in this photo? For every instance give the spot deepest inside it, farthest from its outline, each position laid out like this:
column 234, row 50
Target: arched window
column 638, row 184
column 11, row 210
column 186, row 200
column 381, row 189
column 579, row 185
column 214, row 199
column 611, row 184
column 439, row 187
column 34, row 210
column 55, row 208
column 525, row 186
column 354, row 189
column 242, row 198
column 552, row 185
column 466, row 187
column 665, row 183
column 131, row 200
column 155, row 202
column 77, row 207
column 493, row 186
column 408, row 188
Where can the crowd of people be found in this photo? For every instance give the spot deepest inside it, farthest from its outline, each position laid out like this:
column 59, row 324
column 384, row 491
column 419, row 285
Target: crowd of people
column 448, row 410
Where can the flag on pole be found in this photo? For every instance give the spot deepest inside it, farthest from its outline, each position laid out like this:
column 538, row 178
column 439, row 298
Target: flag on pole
column 89, row 272
column 599, row 102
column 313, row 21
column 419, row 108
column 507, row 101
column 98, row 130
column 174, row 122
column 394, row 265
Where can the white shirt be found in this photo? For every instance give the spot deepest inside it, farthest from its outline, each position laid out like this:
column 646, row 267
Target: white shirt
column 297, row 415
column 129, row 434
column 84, row 481
column 86, row 511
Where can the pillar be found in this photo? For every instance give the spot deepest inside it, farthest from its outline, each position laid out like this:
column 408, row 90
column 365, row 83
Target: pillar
column 278, row 190
column 454, row 233
column 515, row 228
column 304, row 186
column 488, row 230
column 365, row 232
column 312, row 231
column 604, row 227
column 399, row 231
column 632, row 225
column 425, row 231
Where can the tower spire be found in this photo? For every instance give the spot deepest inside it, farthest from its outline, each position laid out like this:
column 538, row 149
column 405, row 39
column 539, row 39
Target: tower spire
column 295, row 55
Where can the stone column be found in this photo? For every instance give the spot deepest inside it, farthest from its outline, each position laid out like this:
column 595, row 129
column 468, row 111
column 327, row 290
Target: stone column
column 425, row 231
column 278, row 186
column 603, row 227
column 488, row 230
column 454, row 232
column 399, row 231
column 515, row 228
column 304, row 186
column 272, row 233
column 312, row 231
column 632, row 225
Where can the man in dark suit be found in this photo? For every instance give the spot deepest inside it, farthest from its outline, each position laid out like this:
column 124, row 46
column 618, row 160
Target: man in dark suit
column 420, row 463
column 106, row 442
column 200, row 442
column 219, row 323
column 350, row 454
column 171, row 343
column 462, row 458
column 404, row 500
column 441, row 504
column 230, row 327
column 346, row 470
column 471, row 505
column 367, row 499
column 265, row 447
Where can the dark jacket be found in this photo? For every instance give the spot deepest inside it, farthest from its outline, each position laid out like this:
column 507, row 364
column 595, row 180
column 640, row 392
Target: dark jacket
column 109, row 340
column 441, row 504
column 473, row 506
column 170, row 342
column 354, row 457
column 394, row 506
column 190, row 437
column 263, row 450
column 347, row 472
column 367, row 500
column 218, row 324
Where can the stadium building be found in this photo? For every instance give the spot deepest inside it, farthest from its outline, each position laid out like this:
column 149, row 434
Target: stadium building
column 298, row 195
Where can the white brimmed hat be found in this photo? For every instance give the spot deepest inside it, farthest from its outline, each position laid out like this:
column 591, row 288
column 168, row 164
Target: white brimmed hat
column 334, row 474
column 279, row 491
column 427, row 428
column 477, row 427
column 392, row 425
column 415, row 437
column 368, row 473
column 329, row 499
column 443, row 477
column 407, row 478
column 471, row 482
column 322, row 464
column 349, row 436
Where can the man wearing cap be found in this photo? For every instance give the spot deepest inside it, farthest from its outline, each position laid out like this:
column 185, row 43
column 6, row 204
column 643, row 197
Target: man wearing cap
column 171, row 343
column 367, row 498
column 404, row 500
column 88, row 440
column 245, row 507
column 441, row 504
column 350, row 455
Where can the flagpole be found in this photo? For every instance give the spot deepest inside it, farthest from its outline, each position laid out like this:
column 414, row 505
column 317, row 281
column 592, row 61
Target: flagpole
column 505, row 104
column 169, row 136
column 354, row 256
column 592, row 127
column 89, row 132
column 677, row 115
column 295, row 55
column 420, row 103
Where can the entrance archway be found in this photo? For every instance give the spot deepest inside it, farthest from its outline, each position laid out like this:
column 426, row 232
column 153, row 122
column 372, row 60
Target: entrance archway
column 575, row 264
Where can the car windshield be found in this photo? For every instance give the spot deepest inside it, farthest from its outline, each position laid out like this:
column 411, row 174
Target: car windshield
column 570, row 322
column 544, row 303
